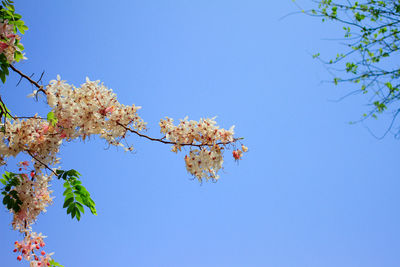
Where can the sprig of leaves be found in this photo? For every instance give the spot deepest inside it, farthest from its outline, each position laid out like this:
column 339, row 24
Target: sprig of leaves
column 51, row 118
column 372, row 30
column 11, row 199
column 55, row 264
column 8, row 13
column 4, row 111
column 75, row 194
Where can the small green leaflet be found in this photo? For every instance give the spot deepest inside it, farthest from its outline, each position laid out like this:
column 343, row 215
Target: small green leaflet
column 51, row 118
column 53, row 263
column 4, row 111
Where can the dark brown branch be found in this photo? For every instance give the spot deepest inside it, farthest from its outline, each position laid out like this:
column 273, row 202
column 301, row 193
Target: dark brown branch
column 40, row 87
column 38, row 160
column 160, row 140
column 28, row 117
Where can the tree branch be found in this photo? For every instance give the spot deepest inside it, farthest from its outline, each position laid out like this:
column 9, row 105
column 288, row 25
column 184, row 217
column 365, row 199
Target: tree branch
column 40, row 87
column 38, row 160
column 160, row 140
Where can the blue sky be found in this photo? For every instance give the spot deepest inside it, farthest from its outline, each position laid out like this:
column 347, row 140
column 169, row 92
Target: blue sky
column 312, row 190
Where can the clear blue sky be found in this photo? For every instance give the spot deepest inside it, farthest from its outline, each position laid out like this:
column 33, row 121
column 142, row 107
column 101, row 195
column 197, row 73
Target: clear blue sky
column 312, row 191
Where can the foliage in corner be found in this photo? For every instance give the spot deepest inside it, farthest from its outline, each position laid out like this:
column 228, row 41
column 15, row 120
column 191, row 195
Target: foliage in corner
column 371, row 29
column 10, row 46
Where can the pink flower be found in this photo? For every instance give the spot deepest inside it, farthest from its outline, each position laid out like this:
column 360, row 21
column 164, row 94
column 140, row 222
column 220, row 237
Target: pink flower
column 3, row 46
column 237, row 154
column 25, row 163
column 45, row 128
column 109, row 109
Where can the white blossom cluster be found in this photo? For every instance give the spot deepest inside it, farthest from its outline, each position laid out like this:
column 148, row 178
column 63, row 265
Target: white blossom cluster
column 35, row 197
column 205, row 163
column 204, row 131
column 206, row 160
column 91, row 109
column 77, row 112
column 34, row 135
column 80, row 112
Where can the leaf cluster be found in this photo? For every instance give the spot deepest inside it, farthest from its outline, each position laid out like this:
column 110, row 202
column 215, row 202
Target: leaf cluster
column 76, row 195
column 11, row 199
column 371, row 29
column 7, row 13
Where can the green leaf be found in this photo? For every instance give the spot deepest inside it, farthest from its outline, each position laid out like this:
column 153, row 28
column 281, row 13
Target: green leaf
column 16, row 207
column 76, row 183
column 54, row 264
column 18, row 56
column 70, row 207
column 14, row 194
column 2, row 76
column 79, row 188
column 67, row 185
column 67, row 191
column 78, row 214
column 73, row 211
column 78, row 198
column 80, row 207
column 6, row 199
column 51, row 118
column 73, row 172
column 10, row 203
column 68, row 202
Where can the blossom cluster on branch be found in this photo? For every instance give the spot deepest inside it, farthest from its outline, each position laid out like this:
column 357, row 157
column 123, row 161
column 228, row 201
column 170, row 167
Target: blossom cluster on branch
column 30, row 246
column 206, row 160
column 76, row 114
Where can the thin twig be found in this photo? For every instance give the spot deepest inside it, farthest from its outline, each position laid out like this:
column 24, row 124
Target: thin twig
column 160, row 140
column 40, row 87
column 41, row 76
column 38, row 160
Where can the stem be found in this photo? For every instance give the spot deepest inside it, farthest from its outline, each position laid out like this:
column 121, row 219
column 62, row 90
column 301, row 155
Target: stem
column 38, row 160
column 160, row 140
column 40, row 87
